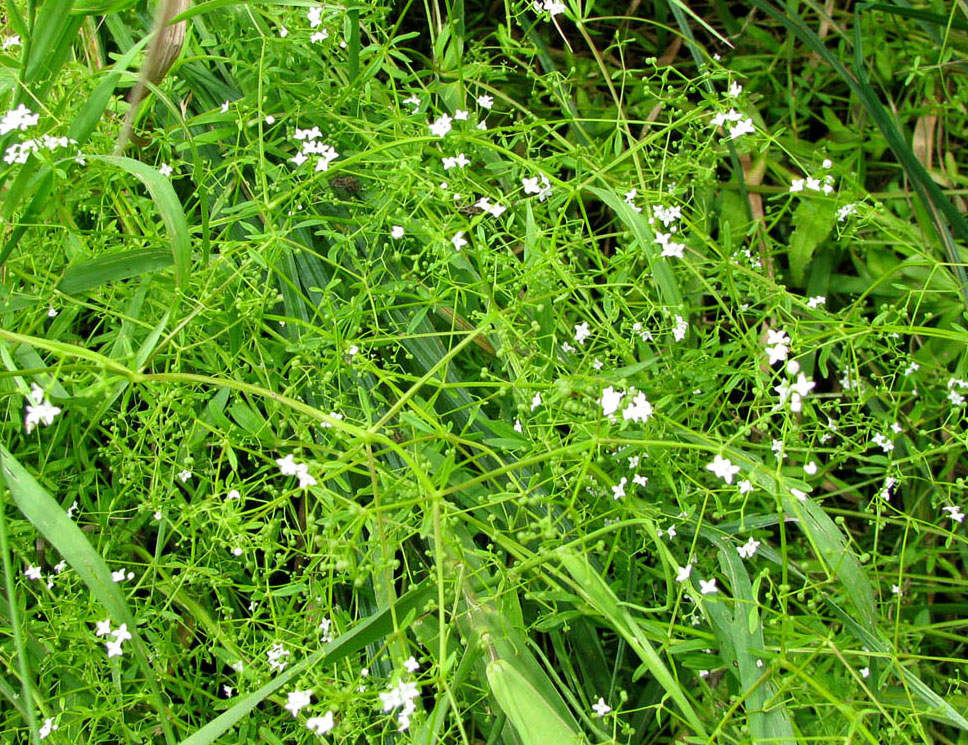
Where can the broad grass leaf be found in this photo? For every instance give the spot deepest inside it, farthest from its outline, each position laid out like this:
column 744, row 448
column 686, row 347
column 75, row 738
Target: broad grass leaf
column 55, row 29
column 534, row 719
column 169, row 207
column 90, row 274
column 740, row 634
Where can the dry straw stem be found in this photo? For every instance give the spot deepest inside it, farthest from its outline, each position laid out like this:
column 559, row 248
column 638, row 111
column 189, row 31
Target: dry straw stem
column 167, row 45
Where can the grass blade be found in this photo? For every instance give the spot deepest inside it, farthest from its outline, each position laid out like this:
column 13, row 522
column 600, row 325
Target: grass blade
column 593, row 589
column 169, row 207
column 96, row 272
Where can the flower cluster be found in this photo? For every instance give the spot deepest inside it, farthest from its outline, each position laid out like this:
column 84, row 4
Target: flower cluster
column 638, row 408
column 298, row 700
column 120, row 634
column 777, row 345
column 401, row 696
column 668, row 217
column 315, row 17
column 794, row 392
column 289, row 467
column 18, row 152
column 312, row 144
column 20, row 118
column 40, row 410
column 734, row 123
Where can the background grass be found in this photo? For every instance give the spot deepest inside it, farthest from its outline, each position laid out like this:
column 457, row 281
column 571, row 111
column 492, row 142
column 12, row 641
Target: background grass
column 205, row 306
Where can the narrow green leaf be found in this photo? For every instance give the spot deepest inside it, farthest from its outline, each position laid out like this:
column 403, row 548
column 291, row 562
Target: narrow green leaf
column 740, row 636
column 668, row 287
column 96, row 272
column 54, row 30
column 593, row 589
column 535, row 720
column 169, row 207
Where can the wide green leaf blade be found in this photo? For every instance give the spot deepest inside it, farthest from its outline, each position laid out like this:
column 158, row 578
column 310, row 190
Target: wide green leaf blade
column 169, row 207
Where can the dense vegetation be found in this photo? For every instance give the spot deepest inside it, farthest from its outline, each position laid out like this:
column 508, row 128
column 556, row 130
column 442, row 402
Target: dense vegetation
column 484, row 373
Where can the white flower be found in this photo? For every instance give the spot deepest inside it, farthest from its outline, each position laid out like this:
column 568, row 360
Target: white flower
column 601, row 708
column 113, row 648
column 396, row 232
column 640, row 480
column 535, row 401
column 955, row 512
column 411, row 664
column 46, row 728
column 517, row 426
column 302, row 473
column 745, row 486
column 747, row 550
column 41, row 411
column 460, row 115
column 723, row 468
column 734, row 89
column 810, row 468
column 618, row 491
column 10, row 42
column 680, row 329
column 799, row 494
column 777, row 353
column 865, row 672
column 165, row 170
column 118, row 575
column 32, row 572
column 103, row 628
column 531, row 187
column 582, row 332
column 414, row 101
column 233, row 494
column 459, row 161
column 846, row 211
column 283, row 32
column 184, row 475
column 485, row 101
column 610, row 401
column 320, row 725
column 708, row 586
column 640, row 410
column 459, row 240
column 682, row 573
column 287, row 465
column 121, row 633
column 816, row 301
column 60, row 566
column 20, row 118
column 886, row 444
column 297, row 700
column 441, row 126
column 742, row 127
column 315, row 16
column 327, row 154
column 275, row 653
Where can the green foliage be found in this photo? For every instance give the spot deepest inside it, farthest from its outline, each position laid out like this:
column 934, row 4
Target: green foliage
column 494, row 376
